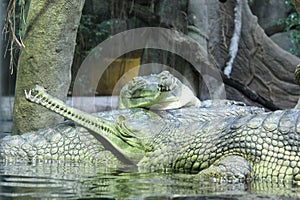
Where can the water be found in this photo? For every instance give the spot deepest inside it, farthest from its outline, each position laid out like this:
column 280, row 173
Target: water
column 73, row 180
column 82, row 181
column 67, row 180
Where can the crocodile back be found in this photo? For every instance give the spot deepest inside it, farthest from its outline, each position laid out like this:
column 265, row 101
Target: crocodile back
column 268, row 141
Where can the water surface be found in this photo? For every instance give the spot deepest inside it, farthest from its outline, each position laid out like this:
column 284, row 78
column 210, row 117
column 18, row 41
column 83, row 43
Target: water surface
column 67, row 180
column 57, row 180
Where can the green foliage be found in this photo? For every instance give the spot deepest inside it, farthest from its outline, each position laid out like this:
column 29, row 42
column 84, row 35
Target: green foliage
column 250, row 2
column 292, row 24
column 90, row 34
column 15, row 23
column 23, row 7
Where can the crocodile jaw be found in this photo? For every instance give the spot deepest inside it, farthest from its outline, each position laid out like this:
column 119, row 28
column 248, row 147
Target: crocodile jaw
column 158, row 92
column 125, row 142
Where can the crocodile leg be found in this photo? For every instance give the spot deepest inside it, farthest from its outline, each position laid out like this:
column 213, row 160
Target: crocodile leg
column 269, row 142
column 229, row 169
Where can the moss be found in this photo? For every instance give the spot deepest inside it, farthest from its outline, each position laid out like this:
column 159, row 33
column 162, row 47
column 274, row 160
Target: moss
column 46, row 59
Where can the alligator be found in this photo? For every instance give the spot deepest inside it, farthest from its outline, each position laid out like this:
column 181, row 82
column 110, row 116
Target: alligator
column 242, row 144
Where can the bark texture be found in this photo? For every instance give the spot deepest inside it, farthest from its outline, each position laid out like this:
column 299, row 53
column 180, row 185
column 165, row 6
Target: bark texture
column 261, row 65
column 262, row 74
column 297, row 5
column 46, row 59
column 174, row 14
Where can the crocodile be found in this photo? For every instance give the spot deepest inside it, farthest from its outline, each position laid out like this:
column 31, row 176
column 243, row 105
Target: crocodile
column 79, row 143
column 161, row 91
column 164, row 91
column 263, row 145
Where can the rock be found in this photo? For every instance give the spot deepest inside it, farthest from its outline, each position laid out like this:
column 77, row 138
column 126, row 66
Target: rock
column 269, row 11
column 282, row 40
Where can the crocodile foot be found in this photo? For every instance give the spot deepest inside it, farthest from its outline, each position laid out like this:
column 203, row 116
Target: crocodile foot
column 230, row 169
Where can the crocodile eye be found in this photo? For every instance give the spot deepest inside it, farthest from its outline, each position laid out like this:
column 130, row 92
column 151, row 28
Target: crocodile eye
column 160, row 87
column 163, row 88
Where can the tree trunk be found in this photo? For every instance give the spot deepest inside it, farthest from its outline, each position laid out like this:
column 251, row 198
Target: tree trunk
column 2, row 17
column 172, row 14
column 46, row 60
column 261, row 66
column 262, row 74
column 297, row 5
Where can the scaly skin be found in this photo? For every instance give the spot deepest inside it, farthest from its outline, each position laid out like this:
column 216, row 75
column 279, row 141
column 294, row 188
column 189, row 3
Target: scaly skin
column 45, row 141
column 267, row 142
column 62, row 142
column 158, row 92
column 190, row 139
column 165, row 92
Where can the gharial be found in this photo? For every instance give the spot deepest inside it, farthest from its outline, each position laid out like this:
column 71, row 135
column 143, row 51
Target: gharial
column 209, row 140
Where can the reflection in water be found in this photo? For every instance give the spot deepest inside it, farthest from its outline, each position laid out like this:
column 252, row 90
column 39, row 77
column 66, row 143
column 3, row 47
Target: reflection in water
column 79, row 180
